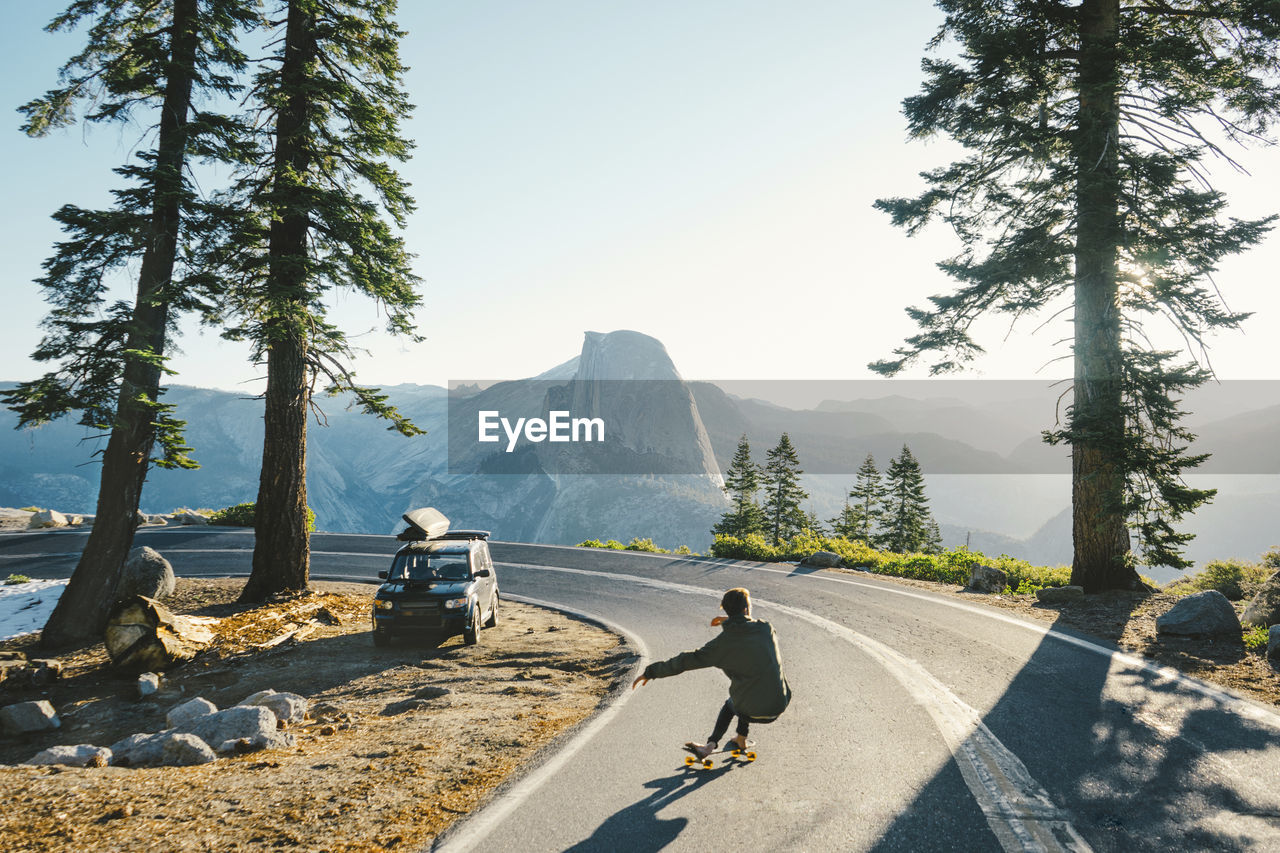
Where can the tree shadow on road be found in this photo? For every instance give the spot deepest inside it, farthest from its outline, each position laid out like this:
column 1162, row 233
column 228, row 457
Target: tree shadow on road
column 637, row 828
column 1137, row 761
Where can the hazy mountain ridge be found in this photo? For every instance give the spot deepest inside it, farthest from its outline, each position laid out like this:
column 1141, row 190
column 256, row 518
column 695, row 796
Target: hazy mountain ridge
column 361, row 476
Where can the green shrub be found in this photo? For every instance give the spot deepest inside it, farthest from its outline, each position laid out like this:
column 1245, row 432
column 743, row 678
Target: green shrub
column 14, row 580
column 685, row 551
column 1255, row 639
column 242, row 515
column 1236, row 579
column 611, row 545
column 32, row 509
column 646, row 545
column 1271, row 559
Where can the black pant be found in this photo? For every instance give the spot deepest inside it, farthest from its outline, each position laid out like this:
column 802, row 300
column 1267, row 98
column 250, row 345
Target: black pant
column 726, row 714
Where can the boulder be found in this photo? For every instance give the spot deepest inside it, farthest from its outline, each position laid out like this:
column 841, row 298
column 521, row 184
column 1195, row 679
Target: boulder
column 182, row 716
column 138, row 750
column 288, row 707
column 46, row 518
column 1203, row 614
column 822, row 560
column 190, row 518
column 255, row 724
column 83, row 755
column 1264, row 610
column 1059, row 594
column 184, row 750
column 143, row 635
column 145, row 573
column 25, row 717
column 157, row 520
column 987, row 579
column 1273, row 645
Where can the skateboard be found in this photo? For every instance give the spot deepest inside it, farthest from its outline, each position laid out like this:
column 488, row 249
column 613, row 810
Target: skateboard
column 693, row 760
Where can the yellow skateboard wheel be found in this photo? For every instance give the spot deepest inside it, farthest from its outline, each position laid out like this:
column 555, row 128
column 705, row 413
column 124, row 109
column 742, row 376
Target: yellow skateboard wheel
column 688, row 761
column 751, row 756
column 707, row 762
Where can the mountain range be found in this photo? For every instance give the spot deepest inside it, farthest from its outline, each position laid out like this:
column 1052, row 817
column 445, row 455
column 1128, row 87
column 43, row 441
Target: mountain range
column 991, row 481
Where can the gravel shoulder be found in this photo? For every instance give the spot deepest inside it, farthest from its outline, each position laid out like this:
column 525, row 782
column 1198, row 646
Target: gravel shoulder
column 399, row 743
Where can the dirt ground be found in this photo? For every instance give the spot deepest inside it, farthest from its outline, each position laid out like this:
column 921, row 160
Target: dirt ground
column 1128, row 621
column 399, row 742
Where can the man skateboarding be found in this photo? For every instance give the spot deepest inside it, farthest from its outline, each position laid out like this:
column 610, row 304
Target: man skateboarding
column 747, row 651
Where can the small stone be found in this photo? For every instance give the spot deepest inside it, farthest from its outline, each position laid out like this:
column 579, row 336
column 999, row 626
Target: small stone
column 148, row 683
column 328, row 730
column 184, row 750
column 83, row 755
column 184, row 715
column 25, row 717
column 1059, row 594
column 987, row 579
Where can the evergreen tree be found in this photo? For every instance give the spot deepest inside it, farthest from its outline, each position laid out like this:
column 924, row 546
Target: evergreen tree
column 814, row 524
column 783, row 494
column 155, row 63
column 908, row 525
column 742, row 482
column 864, row 506
column 1087, row 126
column 330, row 105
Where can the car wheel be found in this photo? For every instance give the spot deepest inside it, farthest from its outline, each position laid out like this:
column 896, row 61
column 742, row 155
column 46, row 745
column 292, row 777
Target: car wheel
column 381, row 637
column 493, row 613
column 471, row 633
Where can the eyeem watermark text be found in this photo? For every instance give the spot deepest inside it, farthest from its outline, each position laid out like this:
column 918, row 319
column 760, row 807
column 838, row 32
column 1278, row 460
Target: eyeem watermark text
column 558, row 427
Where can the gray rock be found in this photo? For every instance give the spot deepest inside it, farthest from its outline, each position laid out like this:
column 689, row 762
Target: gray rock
column 1264, row 610
column 1059, row 594
column 147, row 684
column 288, row 707
column 1273, row 644
column 138, row 750
column 243, row 722
column 182, row 716
column 46, row 518
column 1203, row 614
column 157, row 520
column 83, row 755
column 25, row 717
column 183, row 750
column 190, row 518
column 145, row 573
column 987, row 579
column 822, row 560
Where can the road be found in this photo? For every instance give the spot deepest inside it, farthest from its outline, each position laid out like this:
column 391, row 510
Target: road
column 919, row 722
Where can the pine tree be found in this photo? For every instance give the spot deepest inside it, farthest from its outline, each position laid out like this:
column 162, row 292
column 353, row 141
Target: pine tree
column 154, row 63
column 908, row 525
column 331, row 102
column 783, row 494
column 1088, row 126
column 742, row 481
column 864, row 506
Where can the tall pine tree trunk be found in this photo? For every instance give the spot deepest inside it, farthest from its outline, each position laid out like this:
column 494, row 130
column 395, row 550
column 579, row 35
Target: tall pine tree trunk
column 1098, row 522
column 81, row 612
column 282, row 550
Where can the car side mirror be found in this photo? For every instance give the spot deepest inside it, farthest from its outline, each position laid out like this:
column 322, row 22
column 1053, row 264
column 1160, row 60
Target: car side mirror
column 382, row 575
column 483, row 573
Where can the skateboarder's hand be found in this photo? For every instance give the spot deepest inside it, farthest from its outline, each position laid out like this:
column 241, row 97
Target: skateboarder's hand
column 639, row 682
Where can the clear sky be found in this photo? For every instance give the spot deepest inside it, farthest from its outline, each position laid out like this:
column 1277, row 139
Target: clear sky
column 702, row 172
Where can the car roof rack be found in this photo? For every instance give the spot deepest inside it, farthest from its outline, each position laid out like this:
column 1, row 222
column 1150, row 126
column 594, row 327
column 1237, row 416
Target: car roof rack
column 462, row 534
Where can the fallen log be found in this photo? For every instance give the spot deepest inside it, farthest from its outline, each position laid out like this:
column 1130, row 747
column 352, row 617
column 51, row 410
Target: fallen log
column 143, row 635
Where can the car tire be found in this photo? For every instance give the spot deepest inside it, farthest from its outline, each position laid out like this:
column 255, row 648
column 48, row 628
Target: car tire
column 493, row 613
column 381, row 637
column 471, row 633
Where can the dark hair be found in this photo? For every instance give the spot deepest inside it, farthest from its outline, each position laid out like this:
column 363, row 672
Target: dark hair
column 736, row 601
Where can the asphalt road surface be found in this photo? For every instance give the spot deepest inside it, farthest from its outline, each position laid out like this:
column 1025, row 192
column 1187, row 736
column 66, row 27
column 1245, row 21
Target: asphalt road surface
column 918, row 723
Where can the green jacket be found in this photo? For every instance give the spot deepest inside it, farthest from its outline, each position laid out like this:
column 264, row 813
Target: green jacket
column 747, row 651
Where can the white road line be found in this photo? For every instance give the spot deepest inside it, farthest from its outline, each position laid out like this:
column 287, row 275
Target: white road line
column 470, row 832
column 1019, row 812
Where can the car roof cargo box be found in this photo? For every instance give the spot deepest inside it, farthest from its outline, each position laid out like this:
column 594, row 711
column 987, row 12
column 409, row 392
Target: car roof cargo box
column 425, row 523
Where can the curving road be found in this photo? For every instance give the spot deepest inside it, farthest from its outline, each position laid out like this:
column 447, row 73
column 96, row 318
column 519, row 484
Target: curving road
column 919, row 722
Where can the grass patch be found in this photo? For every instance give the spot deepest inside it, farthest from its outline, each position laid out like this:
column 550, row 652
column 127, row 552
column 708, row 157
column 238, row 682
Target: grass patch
column 1236, row 579
column 14, row 580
